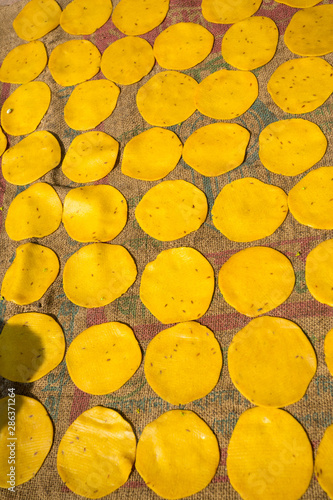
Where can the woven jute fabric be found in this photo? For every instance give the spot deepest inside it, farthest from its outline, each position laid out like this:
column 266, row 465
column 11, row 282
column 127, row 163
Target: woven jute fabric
column 136, row 401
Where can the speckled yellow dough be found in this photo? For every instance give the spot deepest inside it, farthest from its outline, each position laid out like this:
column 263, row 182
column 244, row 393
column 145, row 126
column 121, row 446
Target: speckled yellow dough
column 250, row 43
column 328, row 347
column 299, row 4
column 178, row 285
column 256, row 280
column 177, row 454
column 84, row 17
column 24, row 63
column 269, row 456
column 136, row 17
column 323, row 467
column 33, row 431
column 36, row 19
column 3, row 142
column 226, row 12
column 238, row 209
column 319, row 272
column 96, row 453
column 171, row 210
column 290, row 147
column 103, row 358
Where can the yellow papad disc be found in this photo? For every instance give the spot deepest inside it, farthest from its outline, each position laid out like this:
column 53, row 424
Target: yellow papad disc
column 74, row 61
column 127, row 60
column 311, row 199
column 301, row 85
column 33, row 430
column 323, row 467
column 32, row 272
column 103, row 358
column 183, row 363
column 226, row 12
column 171, row 210
column 167, row 98
column 328, row 347
column 94, row 213
column 178, row 285
column 151, row 155
column 216, row 148
column 269, row 456
column 226, row 94
column 90, row 157
column 251, row 43
column 238, row 209
column 84, row 17
column 24, row 63
column 182, row 46
column 31, row 158
column 290, row 147
column 319, row 272
column 256, row 280
column 3, row 142
column 31, row 345
column 98, row 274
column 299, row 4
column 177, row 454
column 23, row 110
column 97, row 453
column 271, row 362
column 309, row 32
column 36, row 19
column 136, row 17
column 90, row 103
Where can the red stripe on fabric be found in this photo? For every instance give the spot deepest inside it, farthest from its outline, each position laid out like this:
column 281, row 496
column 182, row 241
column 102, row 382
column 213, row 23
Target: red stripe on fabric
column 79, row 405
column 95, row 316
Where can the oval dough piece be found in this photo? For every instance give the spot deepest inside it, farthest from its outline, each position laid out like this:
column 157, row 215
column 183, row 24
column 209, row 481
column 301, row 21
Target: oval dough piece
column 98, row 274
column 74, row 61
column 178, row 285
column 301, row 85
column 84, row 17
column 23, row 110
column 136, row 17
column 311, row 199
column 96, row 453
column 90, row 157
column 94, row 213
column 216, row 148
column 103, row 358
column 250, row 43
column 238, row 209
column 31, row 346
column 23, row 63
column 167, row 98
column 271, row 362
column 34, row 213
column 183, row 363
column 226, row 94
column 127, row 60
column 328, row 348
column 290, row 147
column 299, row 4
column 177, row 454
column 319, row 272
column 36, row 19
column 323, row 468
column 171, row 210
column 256, row 280
column 3, row 142
column 182, row 46
column 151, row 155
column 226, row 12
column 90, row 103
column 32, row 272
column 34, row 437
column 269, row 456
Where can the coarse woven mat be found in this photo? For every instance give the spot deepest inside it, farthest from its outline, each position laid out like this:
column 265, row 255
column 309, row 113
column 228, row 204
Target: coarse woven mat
column 136, row 400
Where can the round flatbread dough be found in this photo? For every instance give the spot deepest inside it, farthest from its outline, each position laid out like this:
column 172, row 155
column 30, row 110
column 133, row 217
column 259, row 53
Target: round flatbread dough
column 94, row 213
column 97, row 453
column 290, row 147
column 182, row 46
column 216, row 148
column 238, row 209
column 167, row 98
column 151, row 155
column 250, row 43
column 301, row 85
column 177, row 454
column 319, row 272
column 323, row 468
column 271, row 362
column 24, row 63
column 136, row 17
column 256, row 280
column 84, row 17
column 3, row 142
column 269, row 455
column 226, row 12
column 36, row 19
column 178, row 285
column 98, row 274
column 183, row 363
column 31, row 346
column 226, row 94
column 299, row 4
column 328, row 347
column 171, row 210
